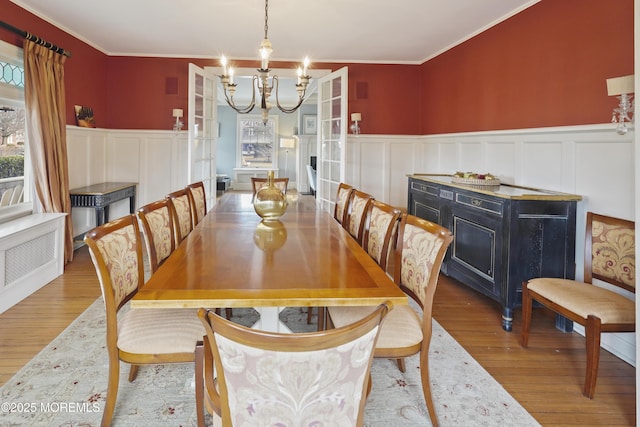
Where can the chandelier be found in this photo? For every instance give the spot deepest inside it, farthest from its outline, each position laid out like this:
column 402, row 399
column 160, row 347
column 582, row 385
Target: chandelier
column 263, row 81
column 11, row 121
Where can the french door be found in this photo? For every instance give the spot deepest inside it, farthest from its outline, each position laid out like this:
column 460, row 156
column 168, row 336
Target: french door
column 203, row 130
column 332, row 136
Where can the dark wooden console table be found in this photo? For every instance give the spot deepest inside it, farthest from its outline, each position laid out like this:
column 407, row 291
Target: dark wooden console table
column 100, row 196
column 503, row 234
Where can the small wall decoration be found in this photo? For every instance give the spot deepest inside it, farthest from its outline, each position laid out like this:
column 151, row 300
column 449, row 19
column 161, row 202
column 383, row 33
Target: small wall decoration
column 310, row 124
column 84, row 116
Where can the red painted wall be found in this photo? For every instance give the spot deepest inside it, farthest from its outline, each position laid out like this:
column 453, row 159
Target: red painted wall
column 545, row 66
column 85, row 71
column 138, row 97
column 387, row 96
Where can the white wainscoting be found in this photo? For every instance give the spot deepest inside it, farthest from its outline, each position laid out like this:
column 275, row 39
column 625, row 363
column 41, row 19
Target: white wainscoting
column 592, row 161
column 156, row 160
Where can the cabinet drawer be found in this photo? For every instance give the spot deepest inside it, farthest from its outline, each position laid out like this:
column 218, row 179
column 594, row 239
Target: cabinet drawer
column 424, row 188
column 480, row 203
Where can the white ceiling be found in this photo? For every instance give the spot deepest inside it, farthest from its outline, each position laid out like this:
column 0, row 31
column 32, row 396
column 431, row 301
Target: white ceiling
column 372, row 31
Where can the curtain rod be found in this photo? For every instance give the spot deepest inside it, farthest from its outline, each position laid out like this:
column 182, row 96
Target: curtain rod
column 35, row 39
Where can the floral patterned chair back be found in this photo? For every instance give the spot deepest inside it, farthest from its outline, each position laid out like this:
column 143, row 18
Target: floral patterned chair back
column 609, row 256
column 356, row 209
column 418, row 255
column 135, row 336
column 266, row 378
column 181, row 208
column 157, row 227
column 116, row 251
column 342, row 197
column 421, row 249
column 199, row 199
column 380, row 230
column 612, row 255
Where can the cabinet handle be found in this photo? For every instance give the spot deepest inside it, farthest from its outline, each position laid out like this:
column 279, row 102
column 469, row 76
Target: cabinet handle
column 476, row 202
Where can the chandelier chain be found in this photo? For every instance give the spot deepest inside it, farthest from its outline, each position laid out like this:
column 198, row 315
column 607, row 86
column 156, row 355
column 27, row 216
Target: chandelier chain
column 263, row 82
column 266, row 18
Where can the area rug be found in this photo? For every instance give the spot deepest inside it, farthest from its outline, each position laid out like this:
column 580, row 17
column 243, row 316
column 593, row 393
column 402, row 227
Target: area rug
column 65, row 385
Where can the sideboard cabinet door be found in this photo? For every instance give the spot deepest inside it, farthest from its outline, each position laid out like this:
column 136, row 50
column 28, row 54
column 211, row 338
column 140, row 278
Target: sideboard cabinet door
column 499, row 242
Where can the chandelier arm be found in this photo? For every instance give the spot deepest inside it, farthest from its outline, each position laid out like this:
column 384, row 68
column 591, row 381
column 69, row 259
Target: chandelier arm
column 284, row 109
column 232, row 103
column 262, row 81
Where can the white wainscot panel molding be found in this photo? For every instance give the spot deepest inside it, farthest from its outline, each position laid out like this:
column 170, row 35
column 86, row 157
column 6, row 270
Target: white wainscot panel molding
column 543, row 165
column 502, row 160
column 592, row 161
column 403, row 156
column 123, row 157
column 472, row 157
column 373, row 159
column 156, row 160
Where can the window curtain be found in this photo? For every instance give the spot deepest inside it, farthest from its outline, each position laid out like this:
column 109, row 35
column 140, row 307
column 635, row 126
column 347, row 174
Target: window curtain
column 46, row 130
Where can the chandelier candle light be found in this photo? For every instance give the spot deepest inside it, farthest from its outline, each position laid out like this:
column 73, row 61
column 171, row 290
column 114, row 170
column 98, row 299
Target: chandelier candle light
column 263, row 81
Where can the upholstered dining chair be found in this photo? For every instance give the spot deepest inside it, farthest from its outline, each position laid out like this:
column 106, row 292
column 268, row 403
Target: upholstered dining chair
column 268, row 378
column 182, row 211
column 342, row 197
column 381, row 222
column 354, row 219
column 258, row 183
column 418, row 256
column 609, row 256
column 340, row 213
column 157, row 228
column 199, row 198
column 135, row 336
column 379, row 239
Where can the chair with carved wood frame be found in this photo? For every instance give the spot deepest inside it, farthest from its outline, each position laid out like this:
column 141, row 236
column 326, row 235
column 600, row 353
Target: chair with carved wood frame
column 182, row 211
column 258, row 183
column 138, row 336
column 342, row 198
column 381, row 223
column 609, row 256
column 199, row 198
column 339, row 213
column 418, row 256
column 258, row 373
column 156, row 221
column 355, row 212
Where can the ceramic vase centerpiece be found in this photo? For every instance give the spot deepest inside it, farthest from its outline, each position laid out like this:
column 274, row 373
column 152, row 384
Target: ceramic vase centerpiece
column 270, row 202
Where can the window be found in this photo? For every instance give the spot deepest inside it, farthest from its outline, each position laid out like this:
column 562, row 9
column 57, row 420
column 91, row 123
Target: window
column 257, row 142
column 14, row 177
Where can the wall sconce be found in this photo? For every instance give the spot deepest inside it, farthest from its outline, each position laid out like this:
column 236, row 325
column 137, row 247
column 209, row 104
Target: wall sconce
column 177, row 113
column 622, row 87
column 355, row 118
column 287, row 143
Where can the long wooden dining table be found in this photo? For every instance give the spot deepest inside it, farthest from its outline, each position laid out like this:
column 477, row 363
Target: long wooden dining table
column 233, row 259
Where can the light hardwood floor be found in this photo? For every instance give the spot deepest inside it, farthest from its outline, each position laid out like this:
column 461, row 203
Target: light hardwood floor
column 546, row 378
